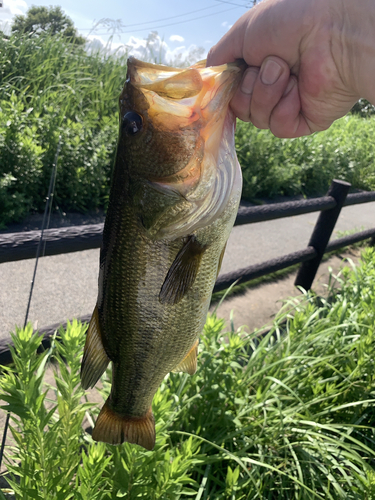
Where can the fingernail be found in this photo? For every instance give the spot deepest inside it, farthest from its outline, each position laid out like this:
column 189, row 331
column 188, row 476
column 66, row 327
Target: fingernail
column 248, row 81
column 270, row 72
column 289, row 87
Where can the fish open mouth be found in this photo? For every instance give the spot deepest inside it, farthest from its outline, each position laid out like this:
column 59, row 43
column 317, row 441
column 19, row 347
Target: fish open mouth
column 184, row 96
column 204, row 102
column 192, row 105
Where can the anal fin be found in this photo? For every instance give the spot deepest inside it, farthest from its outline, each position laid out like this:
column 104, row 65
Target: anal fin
column 182, row 273
column 189, row 363
column 95, row 359
column 113, row 428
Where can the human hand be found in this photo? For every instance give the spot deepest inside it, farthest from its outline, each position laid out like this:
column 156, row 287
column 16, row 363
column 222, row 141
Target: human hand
column 306, row 62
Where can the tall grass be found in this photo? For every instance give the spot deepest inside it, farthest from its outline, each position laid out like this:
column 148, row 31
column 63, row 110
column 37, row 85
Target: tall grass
column 47, row 71
column 50, row 88
column 286, row 415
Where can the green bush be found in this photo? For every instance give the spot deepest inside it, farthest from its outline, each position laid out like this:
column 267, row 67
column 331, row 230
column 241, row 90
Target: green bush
column 286, row 415
column 20, row 160
column 307, row 165
column 28, row 144
column 50, row 88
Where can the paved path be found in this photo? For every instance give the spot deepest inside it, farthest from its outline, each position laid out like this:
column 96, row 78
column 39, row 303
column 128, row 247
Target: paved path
column 66, row 285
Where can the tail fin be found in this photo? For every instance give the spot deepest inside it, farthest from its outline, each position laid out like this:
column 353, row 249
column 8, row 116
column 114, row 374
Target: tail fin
column 113, row 428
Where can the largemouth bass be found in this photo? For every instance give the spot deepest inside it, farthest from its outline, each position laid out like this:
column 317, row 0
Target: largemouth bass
column 175, row 192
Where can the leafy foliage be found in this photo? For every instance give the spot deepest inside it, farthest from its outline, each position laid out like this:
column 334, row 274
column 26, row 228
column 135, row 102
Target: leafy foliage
column 286, row 415
column 50, row 88
column 307, row 165
column 51, row 20
column 363, row 108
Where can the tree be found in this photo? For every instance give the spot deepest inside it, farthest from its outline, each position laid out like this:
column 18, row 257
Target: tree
column 363, row 108
column 50, row 20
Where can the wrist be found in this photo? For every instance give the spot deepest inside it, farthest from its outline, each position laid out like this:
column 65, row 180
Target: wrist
column 354, row 47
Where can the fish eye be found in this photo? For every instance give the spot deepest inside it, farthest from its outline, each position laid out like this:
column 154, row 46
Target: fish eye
column 132, row 123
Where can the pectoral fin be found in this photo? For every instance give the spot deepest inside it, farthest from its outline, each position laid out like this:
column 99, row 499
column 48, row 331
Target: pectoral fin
column 182, row 273
column 95, row 359
column 189, row 363
column 221, row 260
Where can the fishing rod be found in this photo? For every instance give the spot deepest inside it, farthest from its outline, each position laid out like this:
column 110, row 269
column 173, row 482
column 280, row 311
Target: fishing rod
column 45, row 225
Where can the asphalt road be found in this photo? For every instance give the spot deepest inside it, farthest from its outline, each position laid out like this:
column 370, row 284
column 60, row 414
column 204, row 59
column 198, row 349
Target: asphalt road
column 66, row 285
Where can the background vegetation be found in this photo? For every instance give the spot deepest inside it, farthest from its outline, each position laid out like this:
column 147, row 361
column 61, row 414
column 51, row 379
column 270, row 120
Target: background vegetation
column 307, row 165
column 286, row 415
column 50, row 20
column 50, row 87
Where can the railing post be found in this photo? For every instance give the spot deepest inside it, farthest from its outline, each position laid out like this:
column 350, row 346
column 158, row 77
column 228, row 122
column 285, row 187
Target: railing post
column 322, row 232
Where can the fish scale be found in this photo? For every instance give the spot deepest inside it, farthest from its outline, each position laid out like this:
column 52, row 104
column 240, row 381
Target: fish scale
column 163, row 240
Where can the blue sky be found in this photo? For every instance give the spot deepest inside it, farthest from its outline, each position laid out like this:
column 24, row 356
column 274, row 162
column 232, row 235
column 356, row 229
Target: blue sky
column 181, row 26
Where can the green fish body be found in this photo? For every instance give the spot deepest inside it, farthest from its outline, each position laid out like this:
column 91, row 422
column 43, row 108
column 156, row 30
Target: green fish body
column 175, row 192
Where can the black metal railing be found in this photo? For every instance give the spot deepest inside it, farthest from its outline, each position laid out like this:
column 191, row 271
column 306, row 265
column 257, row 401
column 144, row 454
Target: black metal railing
column 18, row 246
column 330, row 207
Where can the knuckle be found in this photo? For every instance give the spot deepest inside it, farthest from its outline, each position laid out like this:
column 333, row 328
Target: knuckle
column 259, row 122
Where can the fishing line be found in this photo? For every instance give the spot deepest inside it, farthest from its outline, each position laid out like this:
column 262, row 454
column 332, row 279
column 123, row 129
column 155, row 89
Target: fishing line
column 47, row 210
column 48, row 204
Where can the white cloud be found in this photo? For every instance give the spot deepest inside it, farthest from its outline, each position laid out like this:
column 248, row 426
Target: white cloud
column 152, row 49
column 96, row 42
column 10, row 9
column 176, row 38
column 226, row 25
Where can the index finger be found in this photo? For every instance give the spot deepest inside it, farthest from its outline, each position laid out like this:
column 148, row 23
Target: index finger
column 230, row 46
column 270, row 28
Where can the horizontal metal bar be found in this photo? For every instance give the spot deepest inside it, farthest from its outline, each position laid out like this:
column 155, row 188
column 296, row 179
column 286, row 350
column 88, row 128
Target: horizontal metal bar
column 20, row 246
column 357, row 198
column 272, row 211
column 271, row 266
column 267, row 267
column 350, row 240
column 247, row 215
